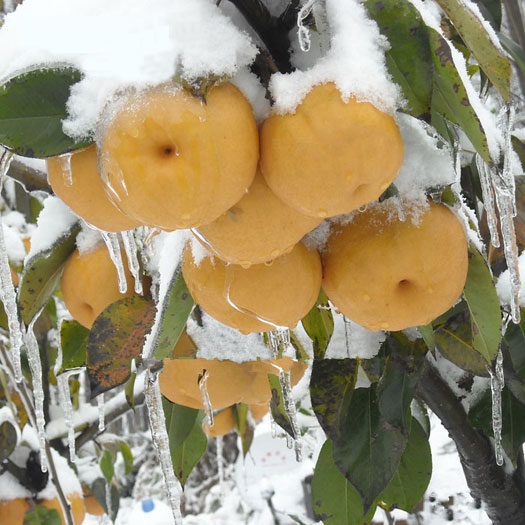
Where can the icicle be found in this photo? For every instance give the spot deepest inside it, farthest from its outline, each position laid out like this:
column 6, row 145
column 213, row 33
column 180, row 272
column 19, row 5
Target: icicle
column 303, row 33
column 206, row 401
column 348, row 334
column 33, row 357
column 7, row 289
column 130, row 247
column 101, row 408
column 488, row 200
column 161, row 441
column 108, row 498
column 65, row 166
column 497, row 382
column 113, row 246
column 220, row 464
column 67, row 407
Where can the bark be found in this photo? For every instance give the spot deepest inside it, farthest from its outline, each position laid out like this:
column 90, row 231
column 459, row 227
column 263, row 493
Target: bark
column 501, row 492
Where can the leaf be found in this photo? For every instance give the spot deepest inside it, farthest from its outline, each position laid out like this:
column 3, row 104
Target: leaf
column 42, row 273
column 187, row 439
column 127, row 456
column 408, row 59
column 491, row 11
column 73, row 339
column 8, row 439
column 411, row 480
column 40, row 515
column 277, row 406
column 454, row 342
column 116, row 337
column 331, row 384
column 427, row 333
column 318, row 323
column 514, row 50
column 482, row 300
column 244, row 428
column 176, row 311
column 99, row 488
column 129, row 390
column 335, row 501
column 376, row 424
column 471, row 29
column 514, row 358
column 32, row 107
column 513, row 424
column 106, row 466
column 449, row 96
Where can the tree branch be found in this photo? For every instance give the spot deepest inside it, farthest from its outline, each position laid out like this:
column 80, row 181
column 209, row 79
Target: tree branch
column 504, row 499
column 31, row 179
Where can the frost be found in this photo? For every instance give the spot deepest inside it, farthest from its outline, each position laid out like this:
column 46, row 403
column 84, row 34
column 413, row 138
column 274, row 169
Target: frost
column 113, row 246
column 33, row 357
column 130, row 246
column 161, row 441
column 7, row 290
column 497, row 382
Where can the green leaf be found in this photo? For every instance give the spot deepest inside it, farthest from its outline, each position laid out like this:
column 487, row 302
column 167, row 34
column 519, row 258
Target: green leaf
column 331, row 385
column 32, row 107
column 174, row 315
column 244, row 428
column 449, row 97
column 40, row 515
column 335, row 501
column 427, row 333
column 8, row 439
column 513, row 424
column 482, row 300
column 127, row 456
column 454, row 341
column 42, row 273
column 412, row 477
column 491, row 60
column 129, row 390
column 106, row 466
column 116, row 337
column 187, row 439
column 73, row 339
column 408, row 59
column 318, row 323
column 277, row 406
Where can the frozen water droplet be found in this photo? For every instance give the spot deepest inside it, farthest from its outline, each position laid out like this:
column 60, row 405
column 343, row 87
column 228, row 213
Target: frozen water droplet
column 101, row 410
column 303, row 33
column 363, row 208
column 245, row 264
column 130, row 247
column 268, row 263
column 113, row 246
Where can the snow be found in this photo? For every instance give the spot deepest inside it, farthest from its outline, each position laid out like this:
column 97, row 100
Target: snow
column 503, row 286
column 54, row 221
column 355, row 62
column 187, row 38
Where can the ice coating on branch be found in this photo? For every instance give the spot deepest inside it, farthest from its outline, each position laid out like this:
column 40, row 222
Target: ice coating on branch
column 497, row 382
column 67, row 407
column 160, row 438
column 130, row 247
column 35, row 365
column 7, row 289
column 303, row 33
column 54, row 221
column 101, row 413
column 206, row 401
column 134, row 46
column 113, row 246
column 355, row 62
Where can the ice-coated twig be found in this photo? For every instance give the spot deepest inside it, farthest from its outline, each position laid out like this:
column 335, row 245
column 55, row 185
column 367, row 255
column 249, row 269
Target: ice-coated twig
column 113, row 246
column 101, row 415
column 65, row 166
column 220, row 464
column 130, row 246
column 108, row 497
column 303, row 33
column 160, row 438
column 497, row 382
column 7, row 289
column 206, row 401
column 35, row 365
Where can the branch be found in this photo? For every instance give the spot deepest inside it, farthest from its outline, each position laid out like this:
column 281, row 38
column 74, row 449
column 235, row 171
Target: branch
column 270, row 29
column 487, row 481
column 30, row 178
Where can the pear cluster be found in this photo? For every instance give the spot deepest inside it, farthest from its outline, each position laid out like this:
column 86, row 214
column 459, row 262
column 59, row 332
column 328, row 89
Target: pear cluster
column 170, row 159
